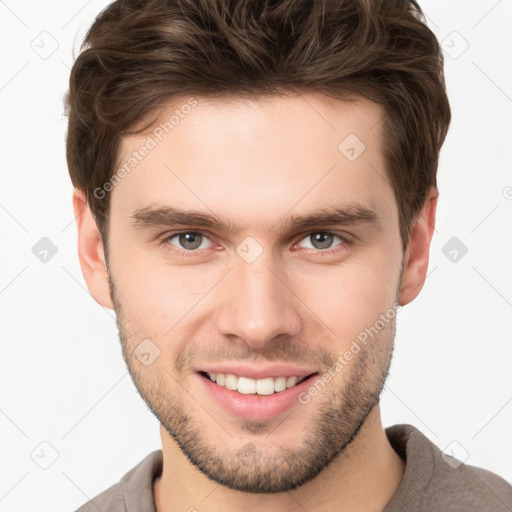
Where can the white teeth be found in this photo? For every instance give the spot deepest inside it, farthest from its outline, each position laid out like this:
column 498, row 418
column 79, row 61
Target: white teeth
column 280, row 384
column 291, row 382
column 265, row 386
column 246, row 386
column 231, row 382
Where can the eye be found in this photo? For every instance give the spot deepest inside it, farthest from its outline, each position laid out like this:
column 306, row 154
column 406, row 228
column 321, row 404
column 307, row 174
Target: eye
column 188, row 240
column 189, row 243
column 321, row 240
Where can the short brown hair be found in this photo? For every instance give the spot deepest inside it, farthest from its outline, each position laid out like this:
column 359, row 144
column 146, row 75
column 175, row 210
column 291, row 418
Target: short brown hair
column 139, row 54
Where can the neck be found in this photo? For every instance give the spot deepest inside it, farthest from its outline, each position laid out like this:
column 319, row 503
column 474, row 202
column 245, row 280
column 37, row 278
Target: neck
column 365, row 476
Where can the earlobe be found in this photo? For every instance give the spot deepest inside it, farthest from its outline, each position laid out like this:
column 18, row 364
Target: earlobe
column 91, row 251
column 417, row 255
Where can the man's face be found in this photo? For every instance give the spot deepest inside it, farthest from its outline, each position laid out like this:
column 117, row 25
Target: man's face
column 268, row 296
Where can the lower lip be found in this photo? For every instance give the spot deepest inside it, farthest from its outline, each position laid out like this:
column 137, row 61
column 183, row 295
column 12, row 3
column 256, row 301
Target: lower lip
column 255, row 407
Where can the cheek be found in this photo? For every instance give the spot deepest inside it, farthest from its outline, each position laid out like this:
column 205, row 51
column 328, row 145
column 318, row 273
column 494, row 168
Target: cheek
column 155, row 296
column 352, row 297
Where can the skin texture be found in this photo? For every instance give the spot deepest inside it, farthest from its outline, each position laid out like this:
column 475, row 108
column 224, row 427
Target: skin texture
column 253, row 163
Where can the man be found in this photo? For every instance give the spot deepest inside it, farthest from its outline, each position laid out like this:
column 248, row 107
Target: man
column 255, row 191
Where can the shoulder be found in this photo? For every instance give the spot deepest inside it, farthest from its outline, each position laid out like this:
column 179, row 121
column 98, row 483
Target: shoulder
column 110, row 500
column 433, row 480
column 470, row 486
column 133, row 492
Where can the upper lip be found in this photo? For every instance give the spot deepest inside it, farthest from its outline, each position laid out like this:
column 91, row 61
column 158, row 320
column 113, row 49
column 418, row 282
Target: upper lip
column 243, row 369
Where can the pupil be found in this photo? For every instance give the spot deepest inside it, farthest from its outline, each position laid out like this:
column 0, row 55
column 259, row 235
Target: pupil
column 189, row 241
column 322, row 239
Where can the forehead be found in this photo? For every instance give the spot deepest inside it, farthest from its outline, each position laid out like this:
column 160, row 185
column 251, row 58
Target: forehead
column 254, row 159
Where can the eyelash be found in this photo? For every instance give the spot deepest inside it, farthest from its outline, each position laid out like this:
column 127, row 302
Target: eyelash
column 164, row 239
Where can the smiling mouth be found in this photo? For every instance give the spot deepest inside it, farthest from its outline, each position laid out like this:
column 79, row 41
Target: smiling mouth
column 247, row 386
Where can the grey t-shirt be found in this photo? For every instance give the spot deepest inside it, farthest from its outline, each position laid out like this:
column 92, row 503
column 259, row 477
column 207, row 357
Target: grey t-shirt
column 431, row 482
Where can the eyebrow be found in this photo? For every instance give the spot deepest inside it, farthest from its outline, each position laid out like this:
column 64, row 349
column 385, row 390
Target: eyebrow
column 353, row 213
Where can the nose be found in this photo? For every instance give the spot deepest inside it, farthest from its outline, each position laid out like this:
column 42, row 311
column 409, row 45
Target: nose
column 257, row 304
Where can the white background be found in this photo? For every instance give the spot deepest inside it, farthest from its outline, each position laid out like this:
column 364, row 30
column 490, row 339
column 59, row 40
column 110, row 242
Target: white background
column 62, row 377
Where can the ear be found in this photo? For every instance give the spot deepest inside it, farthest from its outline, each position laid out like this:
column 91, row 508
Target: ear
column 416, row 257
column 91, row 252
